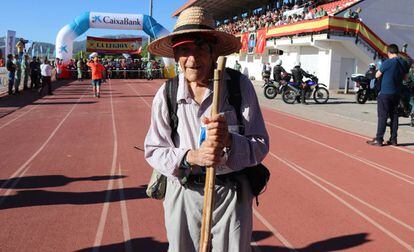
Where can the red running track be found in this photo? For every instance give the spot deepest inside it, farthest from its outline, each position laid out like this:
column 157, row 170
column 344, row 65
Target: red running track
column 73, row 178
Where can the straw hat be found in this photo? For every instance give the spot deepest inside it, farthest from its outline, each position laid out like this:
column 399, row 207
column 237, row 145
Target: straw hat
column 195, row 20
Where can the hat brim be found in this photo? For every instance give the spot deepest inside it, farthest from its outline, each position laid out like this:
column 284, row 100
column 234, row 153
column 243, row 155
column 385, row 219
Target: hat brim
column 226, row 43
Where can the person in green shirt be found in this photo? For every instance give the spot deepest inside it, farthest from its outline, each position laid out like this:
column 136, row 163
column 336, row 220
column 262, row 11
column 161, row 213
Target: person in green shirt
column 25, row 71
column 79, row 67
column 237, row 66
column 149, row 70
column 18, row 74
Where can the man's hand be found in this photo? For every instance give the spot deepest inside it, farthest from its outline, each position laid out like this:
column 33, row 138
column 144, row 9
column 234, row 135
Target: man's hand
column 211, row 150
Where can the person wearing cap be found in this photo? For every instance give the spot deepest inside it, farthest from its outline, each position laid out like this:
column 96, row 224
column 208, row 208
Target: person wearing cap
column 97, row 70
column 196, row 45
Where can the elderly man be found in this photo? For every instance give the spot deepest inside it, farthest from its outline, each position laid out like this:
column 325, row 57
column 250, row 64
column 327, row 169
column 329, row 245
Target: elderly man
column 230, row 146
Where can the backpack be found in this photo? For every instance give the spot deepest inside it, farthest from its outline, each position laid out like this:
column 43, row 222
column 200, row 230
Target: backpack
column 258, row 175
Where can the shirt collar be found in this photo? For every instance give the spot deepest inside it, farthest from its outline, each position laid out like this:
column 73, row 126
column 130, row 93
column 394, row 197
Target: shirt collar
column 183, row 93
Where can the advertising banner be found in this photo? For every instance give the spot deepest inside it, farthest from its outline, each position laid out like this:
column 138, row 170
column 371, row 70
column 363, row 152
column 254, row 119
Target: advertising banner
column 10, row 42
column 113, row 46
column 115, row 21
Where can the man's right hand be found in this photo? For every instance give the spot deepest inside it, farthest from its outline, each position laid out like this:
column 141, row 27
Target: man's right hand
column 209, row 154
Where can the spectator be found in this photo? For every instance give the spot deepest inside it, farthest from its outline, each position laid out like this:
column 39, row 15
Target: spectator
column 46, row 72
column 393, row 71
column 237, row 66
column 25, row 71
column 11, row 67
column 34, row 73
column 18, row 76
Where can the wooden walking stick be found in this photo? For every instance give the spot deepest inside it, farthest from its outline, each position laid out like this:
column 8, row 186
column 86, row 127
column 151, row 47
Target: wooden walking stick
column 210, row 171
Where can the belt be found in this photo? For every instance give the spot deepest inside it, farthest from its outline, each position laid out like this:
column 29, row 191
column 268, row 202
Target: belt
column 223, row 179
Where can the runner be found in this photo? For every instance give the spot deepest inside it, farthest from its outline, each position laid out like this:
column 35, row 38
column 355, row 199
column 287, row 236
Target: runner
column 97, row 69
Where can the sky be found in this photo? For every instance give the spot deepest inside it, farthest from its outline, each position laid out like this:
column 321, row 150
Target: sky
column 41, row 20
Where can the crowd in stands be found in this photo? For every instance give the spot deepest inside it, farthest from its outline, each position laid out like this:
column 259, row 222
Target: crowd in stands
column 280, row 14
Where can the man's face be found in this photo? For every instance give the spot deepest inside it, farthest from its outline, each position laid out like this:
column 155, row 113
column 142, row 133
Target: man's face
column 196, row 60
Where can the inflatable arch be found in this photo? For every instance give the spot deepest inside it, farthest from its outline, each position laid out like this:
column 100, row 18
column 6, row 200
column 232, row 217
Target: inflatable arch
column 66, row 36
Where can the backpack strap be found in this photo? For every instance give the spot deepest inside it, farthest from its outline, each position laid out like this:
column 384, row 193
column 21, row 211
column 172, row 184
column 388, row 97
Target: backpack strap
column 235, row 99
column 171, row 88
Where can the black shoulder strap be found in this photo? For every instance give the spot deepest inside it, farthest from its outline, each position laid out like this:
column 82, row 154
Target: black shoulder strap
column 171, row 88
column 235, row 99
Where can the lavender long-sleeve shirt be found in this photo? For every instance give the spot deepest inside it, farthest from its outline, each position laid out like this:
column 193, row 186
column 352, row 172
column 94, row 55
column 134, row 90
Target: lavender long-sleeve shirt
column 165, row 154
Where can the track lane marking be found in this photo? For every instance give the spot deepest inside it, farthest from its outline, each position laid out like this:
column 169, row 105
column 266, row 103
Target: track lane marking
column 124, row 213
column 299, row 169
column 105, row 208
column 19, row 116
column 334, row 128
column 370, row 163
column 23, row 166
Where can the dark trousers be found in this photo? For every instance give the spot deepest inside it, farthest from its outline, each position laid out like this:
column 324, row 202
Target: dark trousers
column 46, row 81
column 34, row 77
column 387, row 105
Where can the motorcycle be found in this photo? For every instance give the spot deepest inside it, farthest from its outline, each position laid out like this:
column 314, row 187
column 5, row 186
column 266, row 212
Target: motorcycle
column 364, row 93
column 317, row 91
column 272, row 88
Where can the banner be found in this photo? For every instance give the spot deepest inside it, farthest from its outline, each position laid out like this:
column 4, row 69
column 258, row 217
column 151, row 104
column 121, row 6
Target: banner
column 115, row 21
column 115, row 46
column 251, row 43
column 261, row 41
column 244, row 42
column 10, row 42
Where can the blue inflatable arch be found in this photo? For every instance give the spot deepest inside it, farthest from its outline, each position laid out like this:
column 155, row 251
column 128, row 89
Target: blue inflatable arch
column 99, row 20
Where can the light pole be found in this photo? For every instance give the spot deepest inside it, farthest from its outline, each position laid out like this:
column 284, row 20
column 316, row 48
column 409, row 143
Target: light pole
column 149, row 37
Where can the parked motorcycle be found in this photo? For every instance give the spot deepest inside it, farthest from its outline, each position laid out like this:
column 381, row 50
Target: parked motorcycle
column 365, row 92
column 272, row 88
column 318, row 91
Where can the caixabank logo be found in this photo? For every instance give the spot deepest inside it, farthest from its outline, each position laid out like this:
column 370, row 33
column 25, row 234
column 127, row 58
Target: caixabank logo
column 115, row 21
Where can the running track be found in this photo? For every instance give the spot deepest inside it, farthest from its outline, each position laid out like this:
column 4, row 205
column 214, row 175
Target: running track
column 73, row 178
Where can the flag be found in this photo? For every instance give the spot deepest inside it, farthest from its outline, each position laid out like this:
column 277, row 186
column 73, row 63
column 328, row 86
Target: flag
column 41, row 50
column 261, row 41
column 244, row 42
column 48, row 52
column 33, row 50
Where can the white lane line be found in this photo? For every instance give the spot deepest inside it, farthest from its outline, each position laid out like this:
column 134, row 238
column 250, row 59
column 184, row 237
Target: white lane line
column 272, row 229
column 136, row 92
column 255, row 212
column 337, row 197
column 104, row 214
column 335, row 128
column 388, row 170
column 17, row 117
column 23, row 166
column 10, row 189
column 398, row 221
column 124, row 213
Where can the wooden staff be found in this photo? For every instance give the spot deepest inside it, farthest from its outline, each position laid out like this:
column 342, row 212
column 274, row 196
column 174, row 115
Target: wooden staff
column 210, row 171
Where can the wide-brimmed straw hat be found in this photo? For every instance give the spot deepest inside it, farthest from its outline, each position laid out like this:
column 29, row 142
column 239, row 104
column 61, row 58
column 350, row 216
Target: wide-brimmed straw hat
column 196, row 20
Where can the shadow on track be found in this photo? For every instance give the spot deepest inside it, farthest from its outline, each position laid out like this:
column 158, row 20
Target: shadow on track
column 332, row 244
column 48, row 181
column 11, row 103
column 137, row 244
column 63, row 103
column 28, row 198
